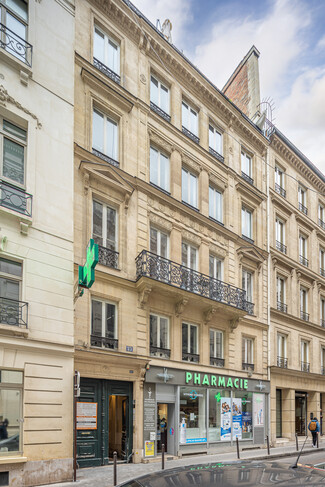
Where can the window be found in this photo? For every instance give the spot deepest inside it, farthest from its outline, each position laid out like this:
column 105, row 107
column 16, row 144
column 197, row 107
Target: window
column 247, row 284
column 158, row 242
column 215, row 267
column 322, row 360
column 304, row 304
column 105, row 233
column 190, row 343
column 321, row 216
column 13, row 141
column 159, row 169
column 280, row 236
column 105, row 136
column 189, row 188
column 11, row 390
column 12, row 310
column 302, row 199
column 282, row 360
column 279, row 181
column 246, row 222
column 192, row 416
column 189, row 261
column 280, row 294
column 216, row 348
column 189, row 119
column 215, row 140
column 215, row 204
column 103, row 324
column 14, row 18
column 322, row 312
column 246, row 167
column 303, row 250
column 107, row 52
column 248, row 353
column 159, row 336
column 159, row 94
column 322, row 262
column 304, row 356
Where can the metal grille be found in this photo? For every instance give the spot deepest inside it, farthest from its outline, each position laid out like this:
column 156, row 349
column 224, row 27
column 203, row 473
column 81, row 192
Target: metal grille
column 303, row 208
column 217, row 362
column 305, row 367
column 322, row 323
column 246, row 366
column 281, row 247
column 303, row 260
column 107, row 257
column 281, row 307
column 103, row 342
column 258, row 435
column 160, row 112
column 321, row 223
column 191, row 357
column 189, row 134
column 322, row 272
column 282, row 362
column 108, row 72
column 15, row 199
column 247, row 178
column 216, row 155
column 159, row 352
column 280, row 190
column 16, row 45
column 13, row 313
column 304, row 316
column 106, row 158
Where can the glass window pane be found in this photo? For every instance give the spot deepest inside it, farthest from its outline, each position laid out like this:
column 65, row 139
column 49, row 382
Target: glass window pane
column 184, row 254
column 185, row 116
column 164, row 99
column 10, row 406
column 164, row 172
column 154, row 166
column 113, row 56
column 185, row 196
column 110, row 320
column 192, row 415
column 111, row 229
column 218, row 138
column 96, row 318
column 13, row 161
column 111, row 139
column 98, row 131
column 17, row 28
column 211, row 137
column 19, row 7
column 193, row 339
column 193, row 122
column 193, row 190
column 153, row 331
column 9, row 289
column 12, row 129
column 154, row 91
column 211, row 203
column 153, row 240
column 10, row 267
column 98, row 222
column 184, row 337
column 11, row 377
column 211, row 266
column 193, row 258
column 163, row 245
column 163, row 333
column 99, row 46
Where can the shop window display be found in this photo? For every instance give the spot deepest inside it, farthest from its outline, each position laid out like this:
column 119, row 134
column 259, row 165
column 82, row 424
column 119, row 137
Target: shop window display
column 192, row 415
column 219, row 415
column 244, row 402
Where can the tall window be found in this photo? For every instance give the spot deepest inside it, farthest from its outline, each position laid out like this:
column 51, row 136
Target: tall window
column 322, row 312
column 321, row 216
column 11, row 390
column 189, row 118
column 322, row 360
column 215, row 267
column 190, row 343
column 158, row 242
column 282, row 350
column 302, row 199
column 159, row 169
column 322, row 262
column 10, row 293
column 159, row 336
column 105, row 225
column 14, row 17
column 304, row 304
column 12, row 159
column 103, row 324
column 107, row 50
column 280, row 294
column 246, row 222
column 248, row 353
column 159, row 94
column 279, row 181
column 246, row 166
column 189, row 256
column 247, row 284
column 189, row 188
column 303, row 250
column 215, row 204
column 215, row 140
column 304, row 355
column 280, row 235
column 216, row 348
column 105, row 135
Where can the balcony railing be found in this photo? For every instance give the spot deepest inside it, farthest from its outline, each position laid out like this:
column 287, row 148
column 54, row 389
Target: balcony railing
column 13, row 313
column 281, row 247
column 305, row 367
column 281, row 191
column 302, row 208
column 250, row 307
column 160, row 112
column 16, row 45
column 15, row 199
column 304, row 316
column 282, row 362
column 322, row 323
column 248, row 239
column 106, row 158
column 281, row 307
column 190, row 357
column 247, row 178
column 247, row 366
column 323, row 370
column 303, row 260
column 321, row 223
column 107, row 71
column 217, row 362
column 155, row 267
column 107, row 257
column 216, row 155
column 103, row 342
column 159, row 352
column 189, row 134
column 322, row 272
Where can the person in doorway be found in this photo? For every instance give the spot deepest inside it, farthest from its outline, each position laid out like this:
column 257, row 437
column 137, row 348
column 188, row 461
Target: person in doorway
column 314, row 429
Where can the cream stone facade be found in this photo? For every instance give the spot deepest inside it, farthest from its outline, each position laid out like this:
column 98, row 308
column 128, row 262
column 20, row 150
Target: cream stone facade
column 36, row 242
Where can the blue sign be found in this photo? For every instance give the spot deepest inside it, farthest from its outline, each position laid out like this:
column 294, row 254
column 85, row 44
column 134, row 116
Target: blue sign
column 196, row 440
column 129, row 348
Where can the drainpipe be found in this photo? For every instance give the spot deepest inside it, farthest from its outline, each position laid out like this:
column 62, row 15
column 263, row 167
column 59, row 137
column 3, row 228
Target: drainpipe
column 269, row 267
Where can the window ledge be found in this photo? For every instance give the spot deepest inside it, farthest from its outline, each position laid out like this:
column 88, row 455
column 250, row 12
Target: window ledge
column 13, row 330
column 15, row 459
column 25, row 221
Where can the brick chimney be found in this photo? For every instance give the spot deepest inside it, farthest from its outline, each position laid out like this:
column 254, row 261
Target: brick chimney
column 243, row 86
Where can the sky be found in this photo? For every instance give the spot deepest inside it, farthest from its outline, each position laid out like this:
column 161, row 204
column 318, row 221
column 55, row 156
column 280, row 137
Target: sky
column 290, row 34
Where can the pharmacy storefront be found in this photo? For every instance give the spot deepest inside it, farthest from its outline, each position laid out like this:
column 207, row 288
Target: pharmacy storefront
column 189, row 411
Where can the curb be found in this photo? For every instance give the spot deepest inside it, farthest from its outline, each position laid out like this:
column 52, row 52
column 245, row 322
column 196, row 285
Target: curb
column 285, row 454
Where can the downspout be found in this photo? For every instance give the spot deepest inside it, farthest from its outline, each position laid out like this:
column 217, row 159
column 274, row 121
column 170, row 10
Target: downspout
column 268, row 284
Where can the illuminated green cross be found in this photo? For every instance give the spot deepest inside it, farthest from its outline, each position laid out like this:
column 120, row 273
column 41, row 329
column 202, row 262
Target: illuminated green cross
column 87, row 272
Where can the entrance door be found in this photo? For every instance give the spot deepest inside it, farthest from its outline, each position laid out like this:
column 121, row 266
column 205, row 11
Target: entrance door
column 118, row 427
column 301, row 413
column 278, row 413
column 162, row 426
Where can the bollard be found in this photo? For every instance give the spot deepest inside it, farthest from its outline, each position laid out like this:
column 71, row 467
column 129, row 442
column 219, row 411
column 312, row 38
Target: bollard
column 317, row 440
column 114, row 468
column 237, row 444
column 297, row 447
column 268, row 444
column 163, row 457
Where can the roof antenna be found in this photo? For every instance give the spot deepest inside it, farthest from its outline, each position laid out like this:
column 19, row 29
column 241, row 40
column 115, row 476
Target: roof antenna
column 295, row 465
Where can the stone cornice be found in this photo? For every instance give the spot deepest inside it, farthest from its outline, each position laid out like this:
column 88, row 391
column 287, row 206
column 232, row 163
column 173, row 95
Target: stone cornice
column 297, row 323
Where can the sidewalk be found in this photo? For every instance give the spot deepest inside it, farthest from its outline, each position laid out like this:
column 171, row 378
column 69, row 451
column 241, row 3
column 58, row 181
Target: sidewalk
column 103, row 476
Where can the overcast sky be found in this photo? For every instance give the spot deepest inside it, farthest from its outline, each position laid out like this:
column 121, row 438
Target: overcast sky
column 290, row 35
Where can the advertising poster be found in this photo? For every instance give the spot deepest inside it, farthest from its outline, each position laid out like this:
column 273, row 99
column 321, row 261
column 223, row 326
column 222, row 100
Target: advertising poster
column 258, row 409
column 182, row 433
column 225, row 419
column 236, row 418
column 149, row 448
column 247, row 422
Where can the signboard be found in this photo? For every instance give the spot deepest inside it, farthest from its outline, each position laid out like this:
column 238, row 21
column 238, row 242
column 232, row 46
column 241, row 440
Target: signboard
column 225, row 433
column 149, row 448
column 87, row 272
column 86, row 415
column 149, row 417
column 237, row 426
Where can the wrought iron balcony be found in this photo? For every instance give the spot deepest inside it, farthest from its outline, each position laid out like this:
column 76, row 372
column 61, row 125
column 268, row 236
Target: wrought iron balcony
column 217, row 362
column 322, row 272
column 247, row 366
column 164, row 270
column 189, row 134
column 107, row 257
column 160, row 112
column 250, row 307
column 282, row 362
column 321, row 223
column 281, row 247
column 190, row 357
column 107, row 71
column 322, row 323
column 305, row 367
column 303, row 260
column 247, row 178
column 13, row 313
column 304, row 316
column 15, row 199
column 281, row 307
column 323, row 370
column 103, row 342
column 302, row 208
column 281, row 191
column 106, row 158
column 216, row 155
column 16, row 45
column 159, row 352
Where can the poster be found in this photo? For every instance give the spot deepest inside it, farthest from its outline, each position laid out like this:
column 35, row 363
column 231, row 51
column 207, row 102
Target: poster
column 247, row 422
column 258, row 409
column 182, row 432
column 225, row 419
column 237, row 418
column 86, row 415
column 149, row 448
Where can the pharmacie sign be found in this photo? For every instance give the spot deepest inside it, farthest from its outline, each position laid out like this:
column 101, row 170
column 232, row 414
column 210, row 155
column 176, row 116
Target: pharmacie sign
column 211, row 380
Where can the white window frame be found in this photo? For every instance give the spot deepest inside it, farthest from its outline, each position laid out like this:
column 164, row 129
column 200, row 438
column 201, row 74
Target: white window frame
column 104, row 148
column 303, row 299
column 280, row 289
column 159, row 317
column 108, row 40
column 190, row 247
column 302, row 195
column 190, row 118
column 247, row 222
column 304, row 351
column 322, row 311
column 303, row 246
column 279, row 177
column 103, row 303
column 248, row 343
column 160, row 157
column 280, row 230
column 159, row 234
column 247, row 283
column 215, row 204
column 215, row 135
column 189, row 326
column 17, row 140
column 160, row 87
column 321, row 212
column 281, row 338
column 246, row 163
column 322, row 259
column 322, row 356
column 186, row 185
column 216, row 261
column 215, row 333
column 104, row 224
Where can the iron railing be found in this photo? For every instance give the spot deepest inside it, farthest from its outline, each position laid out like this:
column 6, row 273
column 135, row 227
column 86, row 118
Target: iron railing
column 304, row 316
column 305, row 367
column 281, row 307
column 217, row 362
column 106, row 158
column 16, row 45
column 248, row 239
column 107, row 257
column 323, row 370
column 13, row 312
column 303, row 260
column 107, row 71
column 321, row 223
column 216, row 155
column 15, row 199
column 281, row 191
column 190, row 357
column 303, row 208
column 322, row 271
column 159, row 352
column 247, row 366
column 103, row 342
column 189, row 134
column 322, row 323
column 282, row 362
column 281, row 247
column 164, row 270
column 160, row 112
column 247, row 178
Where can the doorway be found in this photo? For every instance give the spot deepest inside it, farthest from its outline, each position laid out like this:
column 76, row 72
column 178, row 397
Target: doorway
column 162, row 426
column 301, row 413
column 279, row 413
column 117, row 426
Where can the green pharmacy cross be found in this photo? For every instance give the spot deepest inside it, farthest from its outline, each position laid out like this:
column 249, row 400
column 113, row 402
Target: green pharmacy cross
column 87, row 272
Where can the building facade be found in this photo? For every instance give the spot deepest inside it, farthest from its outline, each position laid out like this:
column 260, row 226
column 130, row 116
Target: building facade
column 36, row 242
